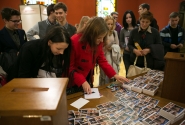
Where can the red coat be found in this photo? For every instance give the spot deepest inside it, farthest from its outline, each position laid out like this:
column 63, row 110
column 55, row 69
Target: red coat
column 81, row 60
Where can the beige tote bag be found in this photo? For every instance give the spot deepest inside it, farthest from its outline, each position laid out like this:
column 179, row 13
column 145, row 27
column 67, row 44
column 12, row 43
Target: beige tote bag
column 135, row 70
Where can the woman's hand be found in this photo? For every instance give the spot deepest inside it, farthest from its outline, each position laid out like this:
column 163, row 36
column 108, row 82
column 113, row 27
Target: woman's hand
column 121, row 78
column 127, row 49
column 173, row 46
column 180, row 45
column 86, row 87
column 137, row 52
column 145, row 51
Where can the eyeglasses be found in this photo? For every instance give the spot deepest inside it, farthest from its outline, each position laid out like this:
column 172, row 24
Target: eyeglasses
column 16, row 21
column 115, row 17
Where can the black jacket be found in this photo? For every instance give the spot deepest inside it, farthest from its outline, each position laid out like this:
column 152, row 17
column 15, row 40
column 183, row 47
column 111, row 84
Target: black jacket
column 6, row 42
column 152, row 41
column 8, row 51
column 30, row 59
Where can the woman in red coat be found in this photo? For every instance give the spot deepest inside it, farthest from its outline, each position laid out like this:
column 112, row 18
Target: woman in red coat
column 86, row 52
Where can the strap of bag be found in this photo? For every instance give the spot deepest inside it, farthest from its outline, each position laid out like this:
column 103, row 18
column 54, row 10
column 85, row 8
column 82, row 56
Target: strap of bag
column 145, row 63
column 135, row 61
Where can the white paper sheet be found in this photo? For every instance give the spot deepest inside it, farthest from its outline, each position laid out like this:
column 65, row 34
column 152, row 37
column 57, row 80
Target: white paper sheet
column 94, row 95
column 79, row 103
column 44, row 74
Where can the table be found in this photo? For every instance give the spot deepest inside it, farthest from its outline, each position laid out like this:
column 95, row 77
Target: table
column 174, row 80
column 109, row 96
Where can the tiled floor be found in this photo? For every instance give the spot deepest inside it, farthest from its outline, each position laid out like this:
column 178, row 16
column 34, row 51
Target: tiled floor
column 96, row 76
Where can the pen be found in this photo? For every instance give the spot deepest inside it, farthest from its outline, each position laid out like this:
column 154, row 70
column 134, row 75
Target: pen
column 86, row 92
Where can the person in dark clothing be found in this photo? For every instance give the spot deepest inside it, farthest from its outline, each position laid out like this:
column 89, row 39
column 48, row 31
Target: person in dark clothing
column 146, row 7
column 11, row 39
column 129, row 23
column 48, row 57
column 173, row 35
column 150, row 43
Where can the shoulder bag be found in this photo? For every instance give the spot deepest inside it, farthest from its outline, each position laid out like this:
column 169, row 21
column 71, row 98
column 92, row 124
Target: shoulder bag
column 135, row 70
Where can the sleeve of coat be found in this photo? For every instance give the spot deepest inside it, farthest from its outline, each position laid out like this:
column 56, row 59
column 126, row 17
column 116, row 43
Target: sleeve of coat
column 131, row 41
column 163, row 35
column 33, row 31
column 122, row 38
column 183, row 36
column 107, row 68
column 25, row 59
column 76, row 78
column 154, row 24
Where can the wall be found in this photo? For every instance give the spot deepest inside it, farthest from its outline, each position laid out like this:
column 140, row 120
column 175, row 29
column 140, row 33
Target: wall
column 161, row 9
column 124, row 5
column 78, row 8
column 6, row 3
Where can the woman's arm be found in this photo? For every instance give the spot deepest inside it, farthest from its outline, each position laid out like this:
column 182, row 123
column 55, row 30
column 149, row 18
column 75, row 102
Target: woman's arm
column 78, row 79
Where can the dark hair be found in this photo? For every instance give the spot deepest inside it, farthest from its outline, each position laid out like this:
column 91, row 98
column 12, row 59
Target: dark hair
column 50, row 9
column 57, row 34
column 145, row 5
column 7, row 13
column 96, row 26
column 60, row 5
column 174, row 15
column 125, row 24
column 146, row 15
column 114, row 13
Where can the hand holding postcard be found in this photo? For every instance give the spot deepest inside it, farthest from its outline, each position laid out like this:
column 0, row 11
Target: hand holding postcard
column 94, row 95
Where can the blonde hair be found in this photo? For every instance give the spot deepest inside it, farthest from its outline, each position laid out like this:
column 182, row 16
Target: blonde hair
column 83, row 21
column 114, row 23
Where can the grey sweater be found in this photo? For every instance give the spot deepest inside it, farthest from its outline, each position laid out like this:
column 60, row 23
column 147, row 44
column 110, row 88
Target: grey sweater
column 124, row 34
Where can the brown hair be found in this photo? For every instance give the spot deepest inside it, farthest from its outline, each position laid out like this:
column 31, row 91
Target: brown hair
column 96, row 26
column 174, row 15
column 146, row 15
column 60, row 5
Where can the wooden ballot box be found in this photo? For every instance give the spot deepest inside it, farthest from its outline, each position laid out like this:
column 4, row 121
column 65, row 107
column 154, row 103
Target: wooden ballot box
column 174, row 77
column 38, row 101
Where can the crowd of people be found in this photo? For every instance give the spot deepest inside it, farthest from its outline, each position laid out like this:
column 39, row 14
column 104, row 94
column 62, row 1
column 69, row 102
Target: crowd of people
column 63, row 50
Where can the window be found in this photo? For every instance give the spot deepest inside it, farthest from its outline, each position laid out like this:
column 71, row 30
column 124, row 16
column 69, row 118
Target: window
column 44, row 2
column 105, row 7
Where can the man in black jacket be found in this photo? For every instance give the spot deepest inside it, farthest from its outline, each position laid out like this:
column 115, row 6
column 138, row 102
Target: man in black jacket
column 146, row 7
column 11, row 39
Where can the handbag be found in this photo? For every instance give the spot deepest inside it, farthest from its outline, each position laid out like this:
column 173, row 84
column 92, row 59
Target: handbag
column 134, row 70
column 72, row 89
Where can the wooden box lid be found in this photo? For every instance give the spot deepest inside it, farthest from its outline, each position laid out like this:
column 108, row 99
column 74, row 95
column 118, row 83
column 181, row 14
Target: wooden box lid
column 31, row 96
column 175, row 56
